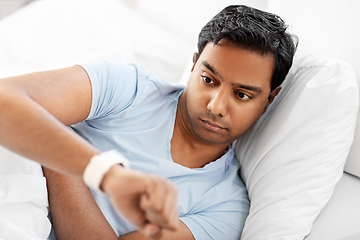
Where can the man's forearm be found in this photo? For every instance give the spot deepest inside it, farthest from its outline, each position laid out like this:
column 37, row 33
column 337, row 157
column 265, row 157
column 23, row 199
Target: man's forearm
column 28, row 129
column 33, row 122
column 74, row 212
column 182, row 233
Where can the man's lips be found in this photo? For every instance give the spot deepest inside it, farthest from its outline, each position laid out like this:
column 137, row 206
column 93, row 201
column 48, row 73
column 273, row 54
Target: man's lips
column 212, row 125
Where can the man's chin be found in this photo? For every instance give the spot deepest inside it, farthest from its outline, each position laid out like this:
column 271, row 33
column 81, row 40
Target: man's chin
column 210, row 138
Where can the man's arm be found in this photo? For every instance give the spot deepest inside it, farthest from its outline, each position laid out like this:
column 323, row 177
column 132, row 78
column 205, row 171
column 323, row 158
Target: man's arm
column 75, row 214
column 182, row 233
column 35, row 110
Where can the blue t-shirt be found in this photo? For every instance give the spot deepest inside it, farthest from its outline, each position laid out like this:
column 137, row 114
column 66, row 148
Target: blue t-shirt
column 133, row 111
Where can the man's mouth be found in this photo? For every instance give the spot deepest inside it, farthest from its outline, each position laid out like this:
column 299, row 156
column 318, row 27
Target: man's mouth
column 212, row 125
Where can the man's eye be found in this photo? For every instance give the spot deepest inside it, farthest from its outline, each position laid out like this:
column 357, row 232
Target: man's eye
column 207, row 79
column 242, row 95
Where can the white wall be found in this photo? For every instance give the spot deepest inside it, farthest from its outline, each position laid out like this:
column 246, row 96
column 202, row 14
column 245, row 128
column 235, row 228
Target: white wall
column 187, row 16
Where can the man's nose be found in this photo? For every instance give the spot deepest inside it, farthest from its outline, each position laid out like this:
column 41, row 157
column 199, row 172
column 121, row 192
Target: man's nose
column 218, row 103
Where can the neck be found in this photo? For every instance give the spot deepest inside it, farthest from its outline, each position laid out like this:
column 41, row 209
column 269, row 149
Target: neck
column 187, row 150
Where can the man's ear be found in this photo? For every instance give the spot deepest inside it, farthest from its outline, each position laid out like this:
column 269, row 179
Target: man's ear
column 194, row 60
column 272, row 96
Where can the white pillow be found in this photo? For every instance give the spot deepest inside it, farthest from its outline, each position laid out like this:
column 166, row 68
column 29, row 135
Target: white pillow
column 161, row 50
column 292, row 158
column 316, row 34
column 60, row 33
column 352, row 165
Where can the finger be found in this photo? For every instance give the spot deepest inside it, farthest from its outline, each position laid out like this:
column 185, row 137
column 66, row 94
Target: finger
column 153, row 199
column 151, row 230
column 127, row 200
column 159, row 192
column 171, row 208
column 162, row 211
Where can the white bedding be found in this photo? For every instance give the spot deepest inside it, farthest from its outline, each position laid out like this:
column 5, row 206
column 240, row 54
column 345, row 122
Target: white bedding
column 23, row 199
column 340, row 219
column 50, row 34
column 43, row 36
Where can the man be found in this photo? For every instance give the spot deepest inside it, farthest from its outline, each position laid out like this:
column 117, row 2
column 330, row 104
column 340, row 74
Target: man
column 184, row 135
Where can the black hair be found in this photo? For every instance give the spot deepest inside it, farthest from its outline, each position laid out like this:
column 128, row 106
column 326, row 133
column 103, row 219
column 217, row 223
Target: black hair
column 254, row 30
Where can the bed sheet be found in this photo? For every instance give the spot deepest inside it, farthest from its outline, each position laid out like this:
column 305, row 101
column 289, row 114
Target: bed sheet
column 340, row 218
column 23, row 198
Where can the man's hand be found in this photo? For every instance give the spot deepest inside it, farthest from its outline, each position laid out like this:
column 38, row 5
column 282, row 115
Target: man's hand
column 147, row 201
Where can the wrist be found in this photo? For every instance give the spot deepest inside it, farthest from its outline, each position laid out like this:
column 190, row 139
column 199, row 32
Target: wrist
column 100, row 165
column 109, row 176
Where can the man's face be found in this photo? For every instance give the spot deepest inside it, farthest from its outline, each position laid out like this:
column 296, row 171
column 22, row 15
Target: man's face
column 228, row 90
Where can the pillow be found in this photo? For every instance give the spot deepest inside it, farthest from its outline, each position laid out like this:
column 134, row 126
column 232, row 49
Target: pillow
column 352, row 165
column 161, row 50
column 316, row 34
column 61, row 33
column 292, row 158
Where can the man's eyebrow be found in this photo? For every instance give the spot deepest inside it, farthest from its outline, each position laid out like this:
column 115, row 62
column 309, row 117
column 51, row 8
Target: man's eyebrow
column 211, row 68
column 248, row 87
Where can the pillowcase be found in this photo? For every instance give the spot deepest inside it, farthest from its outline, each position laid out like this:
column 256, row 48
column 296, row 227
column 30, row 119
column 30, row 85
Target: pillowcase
column 316, row 34
column 163, row 51
column 292, row 158
column 61, row 33
column 352, row 165
column 52, row 34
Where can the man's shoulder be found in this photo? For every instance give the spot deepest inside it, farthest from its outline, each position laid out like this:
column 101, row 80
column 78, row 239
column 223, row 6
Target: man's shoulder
column 147, row 77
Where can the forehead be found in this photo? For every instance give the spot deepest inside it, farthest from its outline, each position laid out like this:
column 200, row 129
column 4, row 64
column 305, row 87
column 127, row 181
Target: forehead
column 236, row 65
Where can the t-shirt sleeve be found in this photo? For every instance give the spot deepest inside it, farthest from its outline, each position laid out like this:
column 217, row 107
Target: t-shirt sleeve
column 113, row 88
column 221, row 221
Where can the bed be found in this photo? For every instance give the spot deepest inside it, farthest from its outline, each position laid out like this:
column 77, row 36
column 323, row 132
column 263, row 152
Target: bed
column 292, row 144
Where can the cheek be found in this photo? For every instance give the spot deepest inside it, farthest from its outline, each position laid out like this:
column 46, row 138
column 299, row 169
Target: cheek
column 246, row 116
column 196, row 102
column 196, row 95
